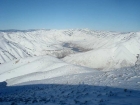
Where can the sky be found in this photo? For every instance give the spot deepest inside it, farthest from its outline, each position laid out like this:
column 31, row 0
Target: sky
column 108, row 15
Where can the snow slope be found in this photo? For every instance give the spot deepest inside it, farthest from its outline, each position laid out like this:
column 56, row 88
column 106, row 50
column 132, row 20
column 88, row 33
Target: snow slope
column 37, row 68
column 116, row 57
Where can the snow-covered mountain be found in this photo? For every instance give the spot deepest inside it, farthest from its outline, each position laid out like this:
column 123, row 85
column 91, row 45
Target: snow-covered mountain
column 71, row 58
column 111, row 49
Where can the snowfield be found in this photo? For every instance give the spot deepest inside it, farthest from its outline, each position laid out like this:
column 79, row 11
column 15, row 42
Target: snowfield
column 69, row 67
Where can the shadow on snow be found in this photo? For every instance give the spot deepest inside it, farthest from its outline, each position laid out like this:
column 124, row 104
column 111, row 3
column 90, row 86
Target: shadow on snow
column 66, row 94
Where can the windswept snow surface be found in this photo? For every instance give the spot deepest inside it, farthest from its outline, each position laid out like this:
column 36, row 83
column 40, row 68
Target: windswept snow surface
column 37, row 68
column 69, row 67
